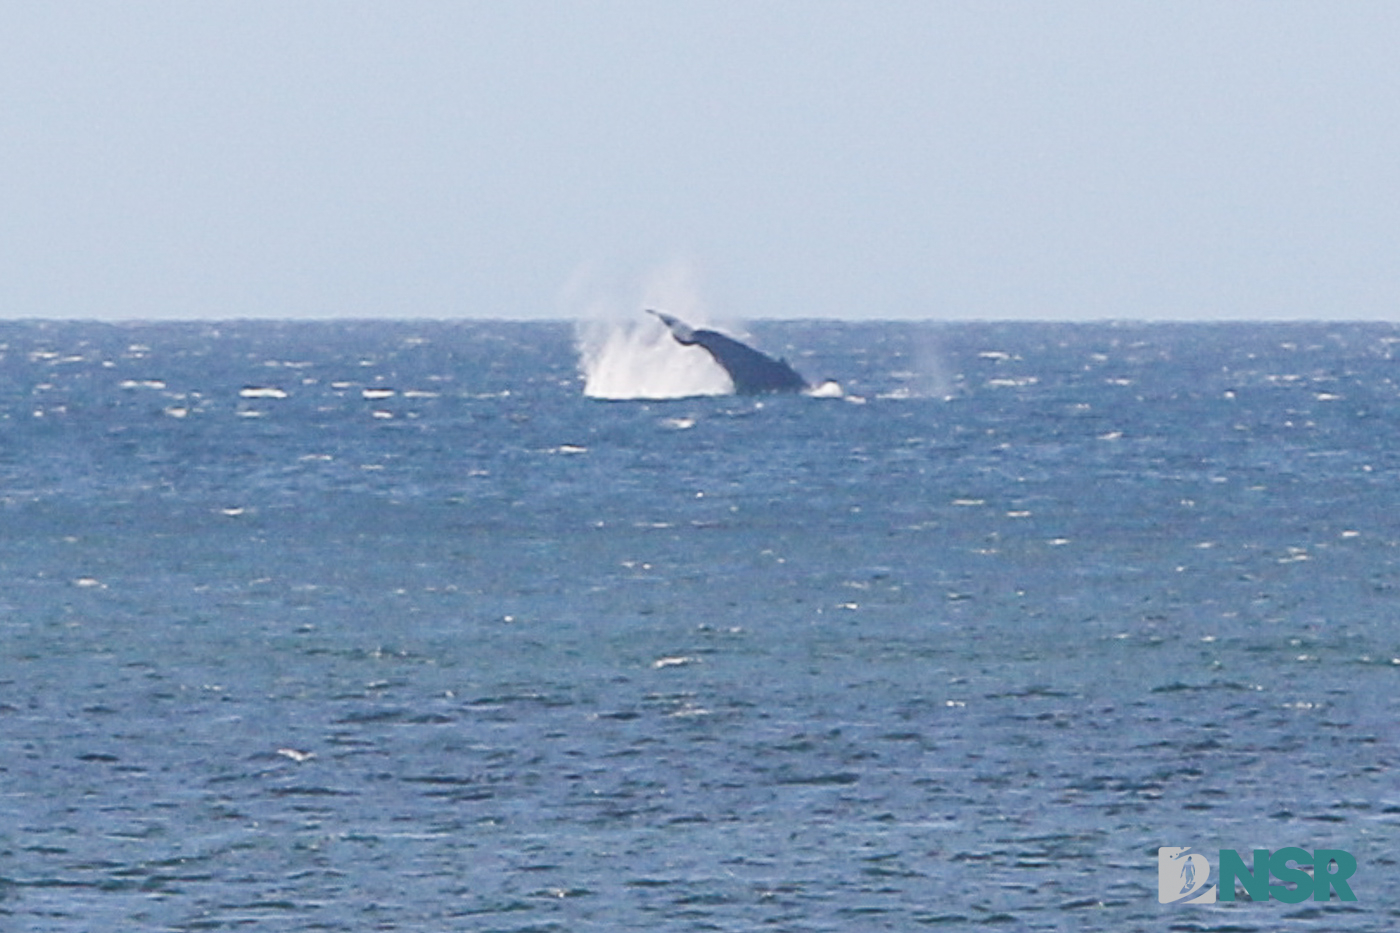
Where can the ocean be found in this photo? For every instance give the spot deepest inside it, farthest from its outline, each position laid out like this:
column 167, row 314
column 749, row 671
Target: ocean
column 394, row 626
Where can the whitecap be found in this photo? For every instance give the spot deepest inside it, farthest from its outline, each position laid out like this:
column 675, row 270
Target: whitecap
column 296, row 755
column 829, row 388
column 676, row 661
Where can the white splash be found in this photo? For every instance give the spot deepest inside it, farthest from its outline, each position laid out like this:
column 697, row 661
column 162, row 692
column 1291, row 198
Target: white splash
column 627, row 354
column 640, row 360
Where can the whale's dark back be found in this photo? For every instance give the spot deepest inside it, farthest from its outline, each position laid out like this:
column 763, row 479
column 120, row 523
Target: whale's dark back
column 752, row 372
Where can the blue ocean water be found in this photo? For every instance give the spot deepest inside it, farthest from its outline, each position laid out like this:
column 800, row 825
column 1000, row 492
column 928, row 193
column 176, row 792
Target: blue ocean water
column 386, row 626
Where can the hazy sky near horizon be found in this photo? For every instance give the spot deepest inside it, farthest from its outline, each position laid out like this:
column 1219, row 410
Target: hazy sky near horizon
column 808, row 158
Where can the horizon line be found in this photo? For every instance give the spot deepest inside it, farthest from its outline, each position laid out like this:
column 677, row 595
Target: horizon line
column 373, row 319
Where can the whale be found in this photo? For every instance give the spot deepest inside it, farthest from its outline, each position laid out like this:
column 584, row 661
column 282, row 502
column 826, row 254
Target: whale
column 752, row 372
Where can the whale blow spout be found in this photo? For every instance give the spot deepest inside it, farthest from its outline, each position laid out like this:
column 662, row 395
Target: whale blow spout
column 752, row 372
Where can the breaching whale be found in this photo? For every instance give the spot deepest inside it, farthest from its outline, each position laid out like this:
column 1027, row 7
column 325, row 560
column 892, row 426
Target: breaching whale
column 752, row 372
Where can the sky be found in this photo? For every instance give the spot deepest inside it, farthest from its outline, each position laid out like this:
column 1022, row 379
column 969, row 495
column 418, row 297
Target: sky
column 796, row 158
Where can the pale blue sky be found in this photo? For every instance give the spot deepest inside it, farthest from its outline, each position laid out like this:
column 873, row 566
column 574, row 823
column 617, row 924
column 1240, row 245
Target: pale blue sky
column 1049, row 160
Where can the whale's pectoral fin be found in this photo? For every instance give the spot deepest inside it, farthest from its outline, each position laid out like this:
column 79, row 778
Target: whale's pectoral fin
column 751, row 371
column 682, row 331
